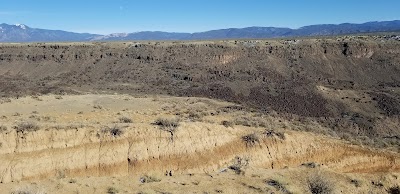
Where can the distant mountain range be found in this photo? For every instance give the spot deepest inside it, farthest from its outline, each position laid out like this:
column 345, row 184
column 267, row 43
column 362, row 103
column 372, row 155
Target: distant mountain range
column 23, row 33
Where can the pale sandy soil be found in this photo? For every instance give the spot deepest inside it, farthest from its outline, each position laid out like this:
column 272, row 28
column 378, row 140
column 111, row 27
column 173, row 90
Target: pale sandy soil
column 73, row 150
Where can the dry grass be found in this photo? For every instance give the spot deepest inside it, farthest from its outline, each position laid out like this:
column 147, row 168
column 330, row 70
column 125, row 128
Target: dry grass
column 97, row 106
column 394, row 190
column 251, row 139
column 3, row 128
column 238, row 164
column 125, row 120
column 167, row 123
column 272, row 133
column 228, row 123
column 277, row 185
column 355, row 182
column 112, row 190
column 149, row 179
column 27, row 126
column 17, row 114
column 114, row 131
column 250, row 121
column 310, row 164
column 28, row 190
column 69, row 127
column 317, row 184
column 4, row 100
column 197, row 114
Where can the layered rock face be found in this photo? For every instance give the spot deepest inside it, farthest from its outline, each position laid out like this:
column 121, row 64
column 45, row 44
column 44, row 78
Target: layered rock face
column 76, row 141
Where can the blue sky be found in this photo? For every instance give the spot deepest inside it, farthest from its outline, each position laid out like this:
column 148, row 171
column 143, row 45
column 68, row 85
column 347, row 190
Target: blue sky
column 108, row 16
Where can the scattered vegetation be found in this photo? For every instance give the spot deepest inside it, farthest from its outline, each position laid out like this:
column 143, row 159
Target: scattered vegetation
column 3, row 128
column 232, row 108
column 168, row 124
column 310, row 164
column 377, row 183
column 394, row 190
column 36, row 98
column 319, row 185
column 39, row 118
column 112, row 190
column 4, row 100
column 278, row 185
column 116, row 131
column 26, row 126
column 125, row 120
column 28, row 190
column 68, row 127
column 228, row 123
column 97, row 106
column 61, row 174
column 197, row 114
column 272, row 133
column 356, row 183
column 250, row 121
column 257, row 189
column 251, row 139
column 148, row 179
column 238, row 164
column 17, row 114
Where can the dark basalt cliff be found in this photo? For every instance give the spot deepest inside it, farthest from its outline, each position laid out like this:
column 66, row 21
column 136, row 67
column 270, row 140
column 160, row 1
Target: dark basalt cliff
column 351, row 84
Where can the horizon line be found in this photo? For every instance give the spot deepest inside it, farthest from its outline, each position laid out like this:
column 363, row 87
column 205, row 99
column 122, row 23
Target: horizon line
column 227, row 28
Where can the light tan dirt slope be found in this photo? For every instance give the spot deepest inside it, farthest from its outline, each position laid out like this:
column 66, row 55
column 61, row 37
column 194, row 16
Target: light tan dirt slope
column 87, row 144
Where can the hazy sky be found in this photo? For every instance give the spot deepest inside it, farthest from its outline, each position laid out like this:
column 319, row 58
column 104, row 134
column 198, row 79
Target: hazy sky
column 108, row 16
